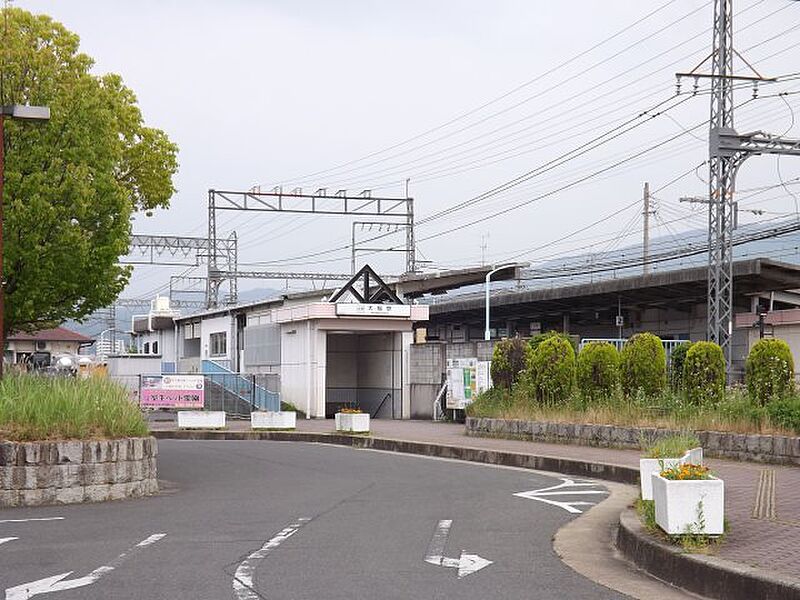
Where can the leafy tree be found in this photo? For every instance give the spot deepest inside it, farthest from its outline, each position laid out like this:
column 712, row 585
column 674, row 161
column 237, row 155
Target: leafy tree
column 676, row 360
column 552, row 370
column 509, row 359
column 769, row 370
column 73, row 183
column 704, row 373
column 598, row 370
column 540, row 337
column 644, row 365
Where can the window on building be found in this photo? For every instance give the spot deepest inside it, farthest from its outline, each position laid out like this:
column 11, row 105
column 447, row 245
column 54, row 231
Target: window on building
column 41, row 345
column 219, row 343
column 155, row 347
column 146, row 348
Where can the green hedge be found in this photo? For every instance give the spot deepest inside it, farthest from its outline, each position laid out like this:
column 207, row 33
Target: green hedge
column 598, row 370
column 643, row 365
column 785, row 413
column 552, row 370
column 704, row 373
column 539, row 338
column 676, row 360
column 769, row 370
column 509, row 359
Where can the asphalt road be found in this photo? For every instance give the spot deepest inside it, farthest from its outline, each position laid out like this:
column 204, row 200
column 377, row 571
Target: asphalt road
column 302, row 521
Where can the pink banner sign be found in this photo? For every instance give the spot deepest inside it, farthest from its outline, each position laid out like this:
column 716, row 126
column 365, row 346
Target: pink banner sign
column 172, row 391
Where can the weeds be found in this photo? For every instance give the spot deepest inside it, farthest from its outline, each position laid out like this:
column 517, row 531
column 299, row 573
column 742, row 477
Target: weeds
column 50, row 408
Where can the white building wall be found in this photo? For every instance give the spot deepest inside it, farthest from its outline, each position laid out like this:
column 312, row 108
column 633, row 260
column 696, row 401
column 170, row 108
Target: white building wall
column 216, row 325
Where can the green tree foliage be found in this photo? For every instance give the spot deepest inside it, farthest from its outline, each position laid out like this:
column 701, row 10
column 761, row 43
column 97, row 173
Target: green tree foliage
column 785, row 413
column 598, row 370
column 644, row 365
column 539, row 338
column 704, row 373
column 676, row 360
column 73, row 183
column 769, row 370
column 509, row 359
column 552, row 370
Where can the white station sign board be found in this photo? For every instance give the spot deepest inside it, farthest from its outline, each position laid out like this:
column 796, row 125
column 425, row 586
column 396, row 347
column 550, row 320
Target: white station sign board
column 352, row 309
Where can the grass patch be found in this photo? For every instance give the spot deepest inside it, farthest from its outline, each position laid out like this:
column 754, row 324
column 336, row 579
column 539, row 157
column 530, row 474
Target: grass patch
column 672, row 446
column 53, row 408
column 735, row 412
column 690, row 542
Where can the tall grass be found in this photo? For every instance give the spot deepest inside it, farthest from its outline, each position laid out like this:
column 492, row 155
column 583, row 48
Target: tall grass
column 54, row 408
column 735, row 413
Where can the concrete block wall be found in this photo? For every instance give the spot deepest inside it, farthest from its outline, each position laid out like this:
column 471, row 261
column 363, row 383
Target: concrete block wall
column 776, row 449
column 40, row 473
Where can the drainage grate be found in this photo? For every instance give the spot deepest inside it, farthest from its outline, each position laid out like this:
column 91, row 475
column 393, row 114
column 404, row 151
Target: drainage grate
column 765, row 496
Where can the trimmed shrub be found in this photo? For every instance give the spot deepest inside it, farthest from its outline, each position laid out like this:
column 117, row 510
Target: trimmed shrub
column 552, row 370
column 598, row 370
column 676, row 359
column 704, row 373
column 509, row 358
column 643, row 365
column 785, row 413
column 539, row 338
column 769, row 370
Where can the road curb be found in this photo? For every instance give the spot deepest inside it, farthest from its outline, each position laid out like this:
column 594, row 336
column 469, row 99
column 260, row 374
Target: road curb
column 578, row 468
column 709, row 576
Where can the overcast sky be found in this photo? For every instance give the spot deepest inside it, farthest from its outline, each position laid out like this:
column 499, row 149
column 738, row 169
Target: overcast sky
column 270, row 92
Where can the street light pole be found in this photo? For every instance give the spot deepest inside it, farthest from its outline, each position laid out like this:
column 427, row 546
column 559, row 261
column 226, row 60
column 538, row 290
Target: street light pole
column 486, row 333
column 25, row 113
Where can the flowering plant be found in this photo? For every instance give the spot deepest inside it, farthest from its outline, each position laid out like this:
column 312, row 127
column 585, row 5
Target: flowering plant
column 686, row 472
column 350, row 410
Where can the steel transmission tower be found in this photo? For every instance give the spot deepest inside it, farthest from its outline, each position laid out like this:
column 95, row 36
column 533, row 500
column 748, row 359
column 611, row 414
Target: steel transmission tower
column 727, row 151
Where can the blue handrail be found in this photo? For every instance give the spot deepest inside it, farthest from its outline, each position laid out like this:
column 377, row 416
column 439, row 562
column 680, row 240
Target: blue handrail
column 241, row 386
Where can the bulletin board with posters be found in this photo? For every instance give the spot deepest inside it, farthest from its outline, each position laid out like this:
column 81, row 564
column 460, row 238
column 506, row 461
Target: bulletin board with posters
column 172, row 391
column 462, row 382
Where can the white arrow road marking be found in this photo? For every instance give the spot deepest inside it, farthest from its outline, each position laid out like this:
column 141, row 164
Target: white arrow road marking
column 466, row 564
column 28, row 520
column 7, row 539
column 243, row 578
column 563, row 488
column 58, row 583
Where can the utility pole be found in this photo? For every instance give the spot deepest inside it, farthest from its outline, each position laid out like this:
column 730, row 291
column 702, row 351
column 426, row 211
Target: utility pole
column 646, row 230
column 727, row 151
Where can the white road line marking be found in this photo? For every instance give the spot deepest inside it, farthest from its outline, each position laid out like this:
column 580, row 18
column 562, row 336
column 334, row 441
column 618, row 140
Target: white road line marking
column 564, row 488
column 58, row 583
column 438, row 542
column 7, row 539
column 243, row 578
column 28, row 520
column 465, row 565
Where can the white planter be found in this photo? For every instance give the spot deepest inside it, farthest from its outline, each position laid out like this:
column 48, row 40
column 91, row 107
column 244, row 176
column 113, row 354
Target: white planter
column 285, row 419
column 352, row 422
column 201, row 419
column 689, row 506
column 648, row 466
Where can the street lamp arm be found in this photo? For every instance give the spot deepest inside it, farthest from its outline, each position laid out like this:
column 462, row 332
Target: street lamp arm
column 486, row 332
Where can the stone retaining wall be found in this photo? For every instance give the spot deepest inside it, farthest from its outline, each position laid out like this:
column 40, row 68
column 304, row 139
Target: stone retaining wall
column 776, row 449
column 37, row 473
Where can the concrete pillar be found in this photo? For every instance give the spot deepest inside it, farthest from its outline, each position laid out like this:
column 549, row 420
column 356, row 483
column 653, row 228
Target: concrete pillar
column 565, row 323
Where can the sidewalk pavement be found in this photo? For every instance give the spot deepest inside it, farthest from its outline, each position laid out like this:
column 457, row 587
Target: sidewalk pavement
column 762, row 534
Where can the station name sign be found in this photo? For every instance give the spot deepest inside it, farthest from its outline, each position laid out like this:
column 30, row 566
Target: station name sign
column 351, row 309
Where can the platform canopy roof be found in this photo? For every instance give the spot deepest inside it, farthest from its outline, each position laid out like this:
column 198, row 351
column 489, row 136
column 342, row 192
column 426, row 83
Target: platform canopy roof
column 678, row 288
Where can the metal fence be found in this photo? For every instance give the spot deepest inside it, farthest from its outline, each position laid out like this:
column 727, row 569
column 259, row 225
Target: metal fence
column 238, row 394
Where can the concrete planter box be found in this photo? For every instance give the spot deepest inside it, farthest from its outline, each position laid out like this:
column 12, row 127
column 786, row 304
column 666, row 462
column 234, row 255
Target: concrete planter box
column 648, row 466
column 285, row 419
column 201, row 419
column 352, row 422
column 682, row 505
column 69, row 472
